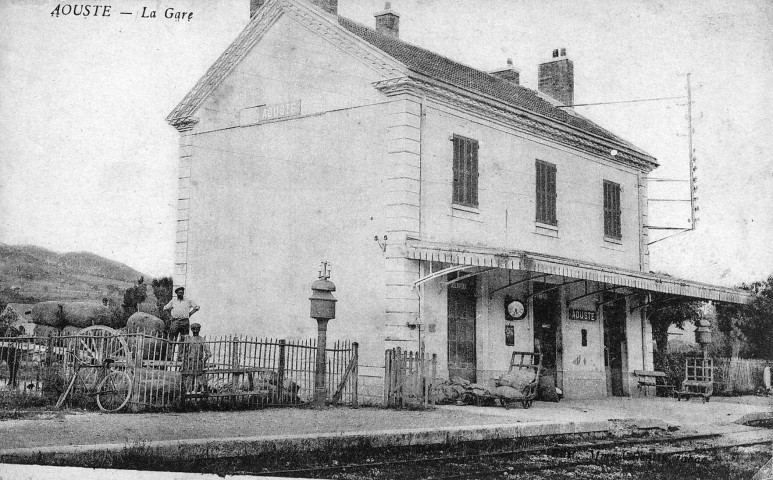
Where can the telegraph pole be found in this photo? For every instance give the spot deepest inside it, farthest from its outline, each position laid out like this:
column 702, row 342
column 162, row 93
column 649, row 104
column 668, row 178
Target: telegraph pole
column 693, row 207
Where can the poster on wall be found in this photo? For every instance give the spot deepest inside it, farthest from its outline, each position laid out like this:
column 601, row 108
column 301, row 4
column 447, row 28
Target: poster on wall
column 509, row 335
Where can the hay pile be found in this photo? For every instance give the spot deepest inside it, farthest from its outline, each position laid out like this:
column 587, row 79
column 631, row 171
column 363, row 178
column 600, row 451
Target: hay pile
column 154, row 348
column 67, row 318
column 145, row 323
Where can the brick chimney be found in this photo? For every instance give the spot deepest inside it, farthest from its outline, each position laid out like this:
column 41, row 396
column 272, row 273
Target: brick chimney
column 388, row 21
column 556, row 78
column 330, row 6
column 511, row 74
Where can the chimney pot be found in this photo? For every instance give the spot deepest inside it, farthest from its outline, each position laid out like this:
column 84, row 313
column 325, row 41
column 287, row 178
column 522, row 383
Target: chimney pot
column 555, row 53
column 509, row 62
column 563, row 52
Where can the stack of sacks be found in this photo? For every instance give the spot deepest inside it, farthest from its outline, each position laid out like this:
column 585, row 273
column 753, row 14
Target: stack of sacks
column 511, row 385
column 154, row 348
column 453, row 390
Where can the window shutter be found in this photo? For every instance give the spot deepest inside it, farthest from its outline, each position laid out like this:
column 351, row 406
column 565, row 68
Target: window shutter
column 612, row 210
column 546, row 193
column 465, row 191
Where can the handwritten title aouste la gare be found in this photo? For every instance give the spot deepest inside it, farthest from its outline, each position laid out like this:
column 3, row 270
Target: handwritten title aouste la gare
column 96, row 10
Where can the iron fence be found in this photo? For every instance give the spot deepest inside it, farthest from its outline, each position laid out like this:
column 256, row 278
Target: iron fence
column 232, row 371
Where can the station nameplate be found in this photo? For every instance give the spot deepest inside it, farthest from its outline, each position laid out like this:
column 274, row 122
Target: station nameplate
column 584, row 315
column 267, row 113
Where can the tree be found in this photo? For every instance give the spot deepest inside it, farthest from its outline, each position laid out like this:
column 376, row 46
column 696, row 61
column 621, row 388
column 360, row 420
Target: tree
column 133, row 296
column 669, row 313
column 162, row 290
column 750, row 326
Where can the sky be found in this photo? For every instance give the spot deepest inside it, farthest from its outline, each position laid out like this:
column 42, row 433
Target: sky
column 87, row 161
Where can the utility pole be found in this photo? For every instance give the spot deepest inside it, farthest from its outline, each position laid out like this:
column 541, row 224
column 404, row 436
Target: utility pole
column 693, row 188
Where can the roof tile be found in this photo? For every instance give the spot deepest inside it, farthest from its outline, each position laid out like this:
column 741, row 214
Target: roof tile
column 438, row 67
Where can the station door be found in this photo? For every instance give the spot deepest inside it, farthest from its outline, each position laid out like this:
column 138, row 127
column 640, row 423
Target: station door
column 461, row 329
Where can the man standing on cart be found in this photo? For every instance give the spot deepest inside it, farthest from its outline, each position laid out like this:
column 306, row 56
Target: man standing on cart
column 181, row 310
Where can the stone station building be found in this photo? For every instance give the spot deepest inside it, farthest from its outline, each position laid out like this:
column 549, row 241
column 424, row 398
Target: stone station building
column 459, row 209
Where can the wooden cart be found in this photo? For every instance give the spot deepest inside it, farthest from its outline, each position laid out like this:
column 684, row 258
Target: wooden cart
column 698, row 379
column 530, row 362
column 526, row 361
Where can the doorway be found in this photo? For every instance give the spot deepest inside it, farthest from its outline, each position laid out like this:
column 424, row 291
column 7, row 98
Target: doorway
column 461, row 329
column 547, row 321
column 614, row 346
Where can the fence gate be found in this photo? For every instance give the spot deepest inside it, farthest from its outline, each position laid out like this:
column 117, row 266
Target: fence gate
column 409, row 378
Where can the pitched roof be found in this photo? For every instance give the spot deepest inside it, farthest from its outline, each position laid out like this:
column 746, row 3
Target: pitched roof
column 404, row 56
column 438, row 67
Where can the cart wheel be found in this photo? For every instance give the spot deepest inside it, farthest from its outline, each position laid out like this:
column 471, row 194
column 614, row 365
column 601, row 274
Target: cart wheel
column 706, row 399
column 114, row 391
column 526, row 404
column 99, row 343
column 506, row 404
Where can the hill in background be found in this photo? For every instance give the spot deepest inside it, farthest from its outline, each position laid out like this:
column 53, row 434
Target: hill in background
column 30, row 274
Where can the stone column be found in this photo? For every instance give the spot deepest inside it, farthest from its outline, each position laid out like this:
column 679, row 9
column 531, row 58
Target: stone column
column 403, row 215
column 183, row 203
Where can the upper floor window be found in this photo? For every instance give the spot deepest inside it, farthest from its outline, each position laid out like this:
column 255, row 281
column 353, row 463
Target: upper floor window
column 546, row 193
column 465, row 171
column 612, row 226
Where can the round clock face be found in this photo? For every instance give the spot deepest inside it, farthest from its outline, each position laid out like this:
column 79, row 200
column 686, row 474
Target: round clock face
column 516, row 309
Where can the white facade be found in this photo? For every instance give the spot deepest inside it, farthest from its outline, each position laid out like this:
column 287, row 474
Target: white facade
column 304, row 142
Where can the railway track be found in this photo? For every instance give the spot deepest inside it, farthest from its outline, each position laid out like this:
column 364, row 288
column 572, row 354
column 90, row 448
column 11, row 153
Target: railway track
column 507, row 462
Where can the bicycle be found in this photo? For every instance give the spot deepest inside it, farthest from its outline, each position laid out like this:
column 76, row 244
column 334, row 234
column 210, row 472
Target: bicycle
column 97, row 348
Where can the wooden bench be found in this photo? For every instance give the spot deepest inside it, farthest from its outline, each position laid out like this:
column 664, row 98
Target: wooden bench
column 653, row 378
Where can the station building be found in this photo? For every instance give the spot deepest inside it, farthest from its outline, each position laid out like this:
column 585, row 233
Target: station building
column 458, row 209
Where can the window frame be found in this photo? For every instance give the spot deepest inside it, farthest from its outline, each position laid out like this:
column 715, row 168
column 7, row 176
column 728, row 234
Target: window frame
column 465, row 171
column 546, row 193
column 613, row 212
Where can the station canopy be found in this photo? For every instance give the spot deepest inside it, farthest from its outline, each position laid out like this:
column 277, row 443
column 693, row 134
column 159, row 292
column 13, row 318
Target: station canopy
column 487, row 258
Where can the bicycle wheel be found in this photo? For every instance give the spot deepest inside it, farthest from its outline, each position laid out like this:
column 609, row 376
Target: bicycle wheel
column 114, row 391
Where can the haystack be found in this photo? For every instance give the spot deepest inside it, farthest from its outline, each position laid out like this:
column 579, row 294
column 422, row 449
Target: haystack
column 144, row 322
column 48, row 314
column 83, row 314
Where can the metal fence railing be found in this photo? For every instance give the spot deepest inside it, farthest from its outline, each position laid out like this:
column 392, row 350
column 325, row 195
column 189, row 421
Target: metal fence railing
column 236, row 371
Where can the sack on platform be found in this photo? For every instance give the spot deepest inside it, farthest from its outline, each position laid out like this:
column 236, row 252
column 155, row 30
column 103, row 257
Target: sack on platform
column 508, row 393
column 83, row 314
column 516, row 379
column 48, row 313
column 144, row 322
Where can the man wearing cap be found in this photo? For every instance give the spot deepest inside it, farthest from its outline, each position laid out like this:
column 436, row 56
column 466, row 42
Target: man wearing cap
column 181, row 311
column 195, row 355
